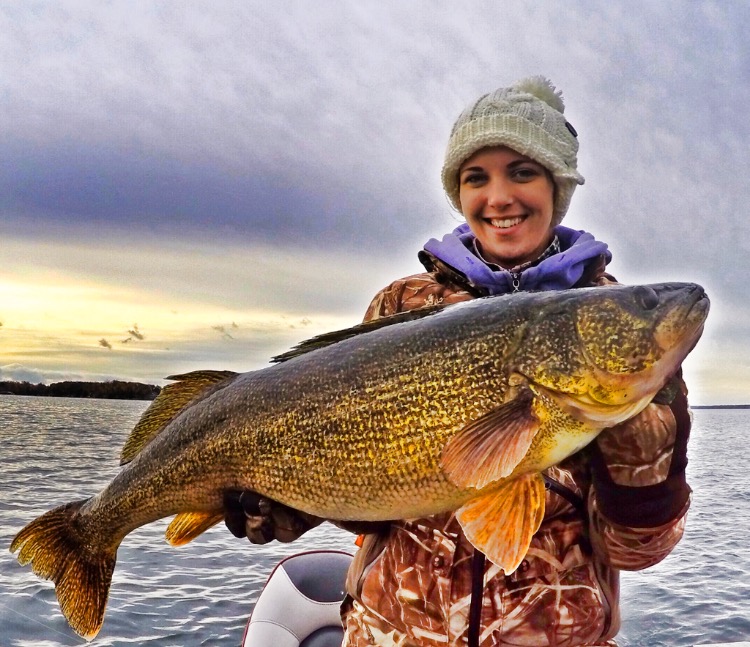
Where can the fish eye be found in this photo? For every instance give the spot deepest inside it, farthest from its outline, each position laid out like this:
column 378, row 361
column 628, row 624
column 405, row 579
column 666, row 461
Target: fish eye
column 646, row 297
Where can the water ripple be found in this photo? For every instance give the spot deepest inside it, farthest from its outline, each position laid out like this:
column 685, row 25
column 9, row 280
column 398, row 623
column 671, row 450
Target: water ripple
column 58, row 450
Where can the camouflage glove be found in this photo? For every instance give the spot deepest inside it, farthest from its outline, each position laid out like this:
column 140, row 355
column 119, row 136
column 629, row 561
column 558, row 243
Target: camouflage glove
column 248, row 514
column 638, row 467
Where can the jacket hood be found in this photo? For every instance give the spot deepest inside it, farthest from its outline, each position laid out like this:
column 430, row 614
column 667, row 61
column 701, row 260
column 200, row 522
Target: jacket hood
column 578, row 249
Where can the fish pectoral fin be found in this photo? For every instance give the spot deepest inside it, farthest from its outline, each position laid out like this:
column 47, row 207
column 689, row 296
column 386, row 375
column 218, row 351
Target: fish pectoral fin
column 489, row 448
column 502, row 523
column 171, row 401
column 186, row 526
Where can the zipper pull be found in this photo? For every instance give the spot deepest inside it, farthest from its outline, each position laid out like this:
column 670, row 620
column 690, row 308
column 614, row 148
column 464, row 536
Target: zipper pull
column 516, row 278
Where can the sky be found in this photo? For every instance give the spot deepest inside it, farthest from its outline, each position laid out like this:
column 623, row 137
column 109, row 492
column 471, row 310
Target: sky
column 191, row 185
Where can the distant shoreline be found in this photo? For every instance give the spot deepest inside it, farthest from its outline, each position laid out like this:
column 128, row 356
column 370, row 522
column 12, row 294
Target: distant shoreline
column 720, row 406
column 121, row 390
column 111, row 390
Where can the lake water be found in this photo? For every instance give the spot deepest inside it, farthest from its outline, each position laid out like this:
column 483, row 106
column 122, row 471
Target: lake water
column 56, row 450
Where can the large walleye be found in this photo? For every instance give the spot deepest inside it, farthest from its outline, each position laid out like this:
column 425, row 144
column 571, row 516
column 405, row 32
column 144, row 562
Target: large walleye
column 454, row 408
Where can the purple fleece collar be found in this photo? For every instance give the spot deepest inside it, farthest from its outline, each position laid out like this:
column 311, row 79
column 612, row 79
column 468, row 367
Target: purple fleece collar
column 558, row 272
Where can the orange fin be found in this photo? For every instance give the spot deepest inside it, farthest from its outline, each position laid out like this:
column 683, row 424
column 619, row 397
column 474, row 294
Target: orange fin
column 186, row 526
column 502, row 523
column 489, row 448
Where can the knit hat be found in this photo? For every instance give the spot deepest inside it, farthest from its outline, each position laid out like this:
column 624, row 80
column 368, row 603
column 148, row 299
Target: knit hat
column 527, row 117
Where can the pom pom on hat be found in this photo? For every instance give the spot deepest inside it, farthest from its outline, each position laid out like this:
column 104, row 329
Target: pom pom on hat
column 543, row 90
column 528, row 118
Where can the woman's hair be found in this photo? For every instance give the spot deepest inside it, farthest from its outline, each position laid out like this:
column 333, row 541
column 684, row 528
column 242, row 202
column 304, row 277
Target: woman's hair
column 528, row 118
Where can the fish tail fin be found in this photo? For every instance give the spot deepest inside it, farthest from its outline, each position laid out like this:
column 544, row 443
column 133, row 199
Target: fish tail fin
column 57, row 550
column 186, row 526
column 502, row 522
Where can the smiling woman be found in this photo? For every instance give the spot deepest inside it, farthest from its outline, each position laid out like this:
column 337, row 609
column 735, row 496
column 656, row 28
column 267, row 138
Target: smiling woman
column 511, row 169
column 508, row 201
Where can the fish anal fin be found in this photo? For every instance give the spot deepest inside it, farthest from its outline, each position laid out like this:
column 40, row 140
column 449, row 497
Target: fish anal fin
column 502, row 523
column 81, row 571
column 489, row 448
column 186, row 526
column 171, row 401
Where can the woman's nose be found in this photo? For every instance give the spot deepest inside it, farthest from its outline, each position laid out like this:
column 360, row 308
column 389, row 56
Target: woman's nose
column 499, row 193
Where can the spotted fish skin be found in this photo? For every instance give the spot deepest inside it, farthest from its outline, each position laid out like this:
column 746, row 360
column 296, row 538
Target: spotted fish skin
column 455, row 408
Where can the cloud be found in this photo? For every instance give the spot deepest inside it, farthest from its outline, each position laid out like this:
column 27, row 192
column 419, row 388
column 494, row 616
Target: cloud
column 133, row 335
column 20, row 373
column 323, row 130
column 222, row 330
column 236, row 161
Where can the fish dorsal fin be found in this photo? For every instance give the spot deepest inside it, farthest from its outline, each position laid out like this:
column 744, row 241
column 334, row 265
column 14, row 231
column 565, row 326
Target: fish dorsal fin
column 171, row 401
column 330, row 338
column 186, row 526
column 489, row 448
column 502, row 523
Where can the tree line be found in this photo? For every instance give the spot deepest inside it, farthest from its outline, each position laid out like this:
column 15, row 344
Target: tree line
column 115, row 389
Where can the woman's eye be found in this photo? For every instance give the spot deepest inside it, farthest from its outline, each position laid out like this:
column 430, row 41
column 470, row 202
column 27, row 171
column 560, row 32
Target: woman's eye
column 525, row 173
column 473, row 178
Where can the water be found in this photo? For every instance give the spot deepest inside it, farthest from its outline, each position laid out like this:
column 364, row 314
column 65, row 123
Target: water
column 59, row 450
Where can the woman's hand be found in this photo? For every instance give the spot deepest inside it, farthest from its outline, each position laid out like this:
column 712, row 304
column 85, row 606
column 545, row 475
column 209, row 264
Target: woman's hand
column 260, row 519
column 638, row 467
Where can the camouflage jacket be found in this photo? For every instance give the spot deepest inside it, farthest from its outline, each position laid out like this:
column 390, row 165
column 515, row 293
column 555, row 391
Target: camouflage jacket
column 410, row 585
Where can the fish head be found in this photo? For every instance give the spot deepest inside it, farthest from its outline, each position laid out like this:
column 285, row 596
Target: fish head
column 604, row 354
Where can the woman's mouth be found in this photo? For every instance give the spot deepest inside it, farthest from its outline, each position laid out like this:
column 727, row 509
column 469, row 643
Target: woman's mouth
column 506, row 223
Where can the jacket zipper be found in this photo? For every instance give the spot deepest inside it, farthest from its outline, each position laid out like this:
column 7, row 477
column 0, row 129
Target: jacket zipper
column 516, row 280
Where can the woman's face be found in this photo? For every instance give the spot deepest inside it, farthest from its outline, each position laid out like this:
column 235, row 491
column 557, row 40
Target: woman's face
column 507, row 200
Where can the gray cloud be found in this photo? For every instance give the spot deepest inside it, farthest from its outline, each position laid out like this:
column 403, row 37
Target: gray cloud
column 99, row 189
column 21, row 373
column 331, row 123
column 223, row 330
column 319, row 133
column 133, row 335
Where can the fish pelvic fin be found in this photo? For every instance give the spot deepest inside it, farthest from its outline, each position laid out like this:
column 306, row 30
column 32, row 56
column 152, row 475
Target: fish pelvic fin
column 489, row 448
column 171, row 401
column 186, row 526
column 57, row 550
column 502, row 523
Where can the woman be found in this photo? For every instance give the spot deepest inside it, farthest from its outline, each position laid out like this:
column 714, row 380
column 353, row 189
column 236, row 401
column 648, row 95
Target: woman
column 511, row 169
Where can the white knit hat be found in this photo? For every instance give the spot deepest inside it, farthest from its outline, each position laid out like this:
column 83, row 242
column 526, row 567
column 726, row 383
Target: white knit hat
column 527, row 117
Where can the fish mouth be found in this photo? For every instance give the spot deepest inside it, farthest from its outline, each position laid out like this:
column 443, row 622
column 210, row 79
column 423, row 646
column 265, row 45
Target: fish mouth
column 682, row 325
column 609, row 397
column 589, row 410
column 686, row 307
